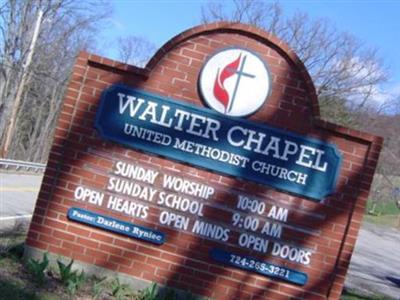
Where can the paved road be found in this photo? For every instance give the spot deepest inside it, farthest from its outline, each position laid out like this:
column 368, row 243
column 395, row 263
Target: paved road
column 375, row 265
column 18, row 195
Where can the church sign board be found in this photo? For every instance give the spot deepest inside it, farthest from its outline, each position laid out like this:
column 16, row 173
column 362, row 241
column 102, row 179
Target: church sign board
column 210, row 140
column 208, row 171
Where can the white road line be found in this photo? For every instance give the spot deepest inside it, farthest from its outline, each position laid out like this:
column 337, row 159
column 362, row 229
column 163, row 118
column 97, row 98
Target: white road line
column 15, row 217
column 18, row 189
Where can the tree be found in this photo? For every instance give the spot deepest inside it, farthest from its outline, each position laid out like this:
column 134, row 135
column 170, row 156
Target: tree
column 135, row 50
column 67, row 26
column 345, row 72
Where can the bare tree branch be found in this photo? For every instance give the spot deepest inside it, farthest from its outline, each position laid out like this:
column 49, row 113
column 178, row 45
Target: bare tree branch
column 135, row 50
column 343, row 69
column 68, row 26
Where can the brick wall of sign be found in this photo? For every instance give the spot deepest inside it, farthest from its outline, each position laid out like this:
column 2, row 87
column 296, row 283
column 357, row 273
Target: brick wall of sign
column 245, row 219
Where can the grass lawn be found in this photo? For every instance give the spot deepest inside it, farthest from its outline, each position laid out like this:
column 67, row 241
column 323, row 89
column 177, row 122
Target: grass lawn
column 383, row 213
column 384, row 208
column 384, row 220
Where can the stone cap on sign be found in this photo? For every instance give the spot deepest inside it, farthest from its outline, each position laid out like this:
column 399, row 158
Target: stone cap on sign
column 244, row 29
column 249, row 31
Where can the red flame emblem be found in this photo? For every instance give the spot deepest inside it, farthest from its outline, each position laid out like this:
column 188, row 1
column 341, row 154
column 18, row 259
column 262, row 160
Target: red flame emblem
column 220, row 93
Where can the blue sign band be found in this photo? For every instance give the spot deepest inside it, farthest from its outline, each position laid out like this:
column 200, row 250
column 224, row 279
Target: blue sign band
column 207, row 139
column 115, row 225
column 260, row 267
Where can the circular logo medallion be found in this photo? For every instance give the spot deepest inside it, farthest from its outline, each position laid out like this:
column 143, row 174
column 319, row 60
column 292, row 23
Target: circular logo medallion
column 235, row 82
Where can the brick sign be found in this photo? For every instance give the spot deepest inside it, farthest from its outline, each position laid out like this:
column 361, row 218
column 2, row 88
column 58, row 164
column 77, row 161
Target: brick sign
column 208, row 171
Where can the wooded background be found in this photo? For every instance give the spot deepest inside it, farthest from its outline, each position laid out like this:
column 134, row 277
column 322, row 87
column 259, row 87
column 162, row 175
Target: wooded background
column 348, row 74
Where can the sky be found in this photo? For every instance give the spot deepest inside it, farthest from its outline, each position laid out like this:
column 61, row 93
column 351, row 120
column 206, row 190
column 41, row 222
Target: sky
column 376, row 23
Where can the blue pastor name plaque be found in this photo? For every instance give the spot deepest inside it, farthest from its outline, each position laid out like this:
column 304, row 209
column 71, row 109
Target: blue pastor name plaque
column 228, row 145
column 115, row 225
column 257, row 266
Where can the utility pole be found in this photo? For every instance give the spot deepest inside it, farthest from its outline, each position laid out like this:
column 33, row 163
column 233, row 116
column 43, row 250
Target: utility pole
column 20, row 89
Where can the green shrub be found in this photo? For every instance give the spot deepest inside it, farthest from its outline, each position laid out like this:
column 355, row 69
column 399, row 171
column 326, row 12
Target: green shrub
column 66, row 272
column 37, row 268
column 75, row 283
column 120, row 290
column 71, row 279
column 98, row 286
column 151, row 293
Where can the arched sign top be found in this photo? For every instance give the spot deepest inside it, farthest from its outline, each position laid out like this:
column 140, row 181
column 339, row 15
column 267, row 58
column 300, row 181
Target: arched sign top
column 258, row 34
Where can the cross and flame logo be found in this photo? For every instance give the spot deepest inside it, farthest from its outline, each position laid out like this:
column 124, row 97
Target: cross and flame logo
column 220, row 93
column 228, row 88
column 232, row 68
